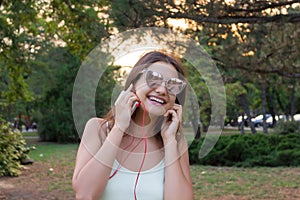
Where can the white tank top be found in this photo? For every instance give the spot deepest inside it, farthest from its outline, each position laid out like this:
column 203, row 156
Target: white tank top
column 150, row 184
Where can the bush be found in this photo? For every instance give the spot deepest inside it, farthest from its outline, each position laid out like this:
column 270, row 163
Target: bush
column 13, row 150
column 250, row 150
column 288, row 157
column 287, row 127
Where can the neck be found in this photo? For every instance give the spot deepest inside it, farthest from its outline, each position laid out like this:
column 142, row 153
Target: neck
column 143, row 124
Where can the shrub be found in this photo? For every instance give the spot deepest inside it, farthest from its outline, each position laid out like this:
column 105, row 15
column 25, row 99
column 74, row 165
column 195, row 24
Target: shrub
column 13, row 150
column 288, row 157
column 287, row 127
column 250, row 150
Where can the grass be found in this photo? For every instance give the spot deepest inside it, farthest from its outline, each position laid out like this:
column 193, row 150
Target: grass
column 30, row 134
column 246, row 183
column 208, row 182
column 59, row 161
column 52, row 151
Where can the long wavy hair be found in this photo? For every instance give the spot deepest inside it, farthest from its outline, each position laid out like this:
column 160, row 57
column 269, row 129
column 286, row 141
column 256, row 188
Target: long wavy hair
column 145, row 61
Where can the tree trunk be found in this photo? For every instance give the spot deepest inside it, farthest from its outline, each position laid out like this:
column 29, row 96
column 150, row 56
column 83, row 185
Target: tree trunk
column 271, row 105
column 243, row 124
column 243, row 102
column 292, row 99
column 264, row 102
column 286, row 112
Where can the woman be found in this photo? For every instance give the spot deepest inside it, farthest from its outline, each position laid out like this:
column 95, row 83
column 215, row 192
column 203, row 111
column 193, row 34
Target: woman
column 138, row 153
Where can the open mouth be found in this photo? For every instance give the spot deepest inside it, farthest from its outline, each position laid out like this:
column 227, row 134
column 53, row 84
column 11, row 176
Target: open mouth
column 157, row 100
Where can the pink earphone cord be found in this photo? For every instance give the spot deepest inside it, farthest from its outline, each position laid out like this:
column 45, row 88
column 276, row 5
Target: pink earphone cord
column 144, row 156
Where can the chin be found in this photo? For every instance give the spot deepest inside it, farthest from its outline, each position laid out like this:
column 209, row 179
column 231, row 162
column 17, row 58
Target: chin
column 152, row 110
column 156, row 109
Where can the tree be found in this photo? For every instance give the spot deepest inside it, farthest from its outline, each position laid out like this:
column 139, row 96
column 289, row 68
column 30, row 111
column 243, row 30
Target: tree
column 31, row 31
column 243, row 35
column 19, row 28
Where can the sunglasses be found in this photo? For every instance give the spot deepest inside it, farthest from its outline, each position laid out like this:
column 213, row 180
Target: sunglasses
column 155, row 79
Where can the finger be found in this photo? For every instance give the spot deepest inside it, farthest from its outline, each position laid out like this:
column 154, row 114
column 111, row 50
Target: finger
column 128, row 93
column 129, row 88
column 178, row 109
column 129, row 96
column 119, row 98
column 172, row 113
column 167, row 113
column 124, row 96
column 132, row 99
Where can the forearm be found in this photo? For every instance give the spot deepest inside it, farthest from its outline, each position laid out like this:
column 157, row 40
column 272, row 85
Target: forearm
column 177, row 186
column 90, row 181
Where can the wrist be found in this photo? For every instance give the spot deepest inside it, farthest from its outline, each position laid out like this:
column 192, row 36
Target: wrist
column 118, row 130
column 169, row 140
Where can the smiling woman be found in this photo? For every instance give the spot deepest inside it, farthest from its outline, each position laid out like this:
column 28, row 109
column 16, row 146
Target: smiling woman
column 140, row 154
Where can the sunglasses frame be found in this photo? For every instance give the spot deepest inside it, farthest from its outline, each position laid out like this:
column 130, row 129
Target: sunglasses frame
column 145, row 71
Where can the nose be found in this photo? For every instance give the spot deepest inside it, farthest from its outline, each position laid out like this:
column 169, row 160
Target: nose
column 161, row 89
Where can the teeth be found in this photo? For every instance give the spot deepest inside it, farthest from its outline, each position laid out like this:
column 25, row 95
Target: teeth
column 156, row 99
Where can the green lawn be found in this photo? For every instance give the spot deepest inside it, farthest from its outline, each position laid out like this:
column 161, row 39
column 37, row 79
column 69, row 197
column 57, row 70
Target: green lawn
column 208, row 182
column 58, row 161
column 246, row 183
column 30, row 134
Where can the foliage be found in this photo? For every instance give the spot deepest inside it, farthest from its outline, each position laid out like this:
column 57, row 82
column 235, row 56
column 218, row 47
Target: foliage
column 29, row 29
column 79, row 24
column 200, row 89
column 251, row 42
column 251, row 150
column 21, row 32
column 287, row 127
column 233, row 91
column 106, row 86
column 13, row 150
column 56, row 123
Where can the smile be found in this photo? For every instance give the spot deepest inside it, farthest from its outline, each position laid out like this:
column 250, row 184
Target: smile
column 156, row 100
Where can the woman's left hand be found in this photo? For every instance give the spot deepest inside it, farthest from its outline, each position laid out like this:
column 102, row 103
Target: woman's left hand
column 171, row 126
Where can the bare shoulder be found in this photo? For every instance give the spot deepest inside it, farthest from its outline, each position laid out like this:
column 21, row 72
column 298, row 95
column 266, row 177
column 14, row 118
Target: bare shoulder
column 95, row 121
column 95, row 126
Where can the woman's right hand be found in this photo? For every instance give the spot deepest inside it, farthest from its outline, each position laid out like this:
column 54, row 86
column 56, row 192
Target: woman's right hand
column 122, row 110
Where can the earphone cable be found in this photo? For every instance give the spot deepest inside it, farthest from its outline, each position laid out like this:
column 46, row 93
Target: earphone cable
column 145, row 151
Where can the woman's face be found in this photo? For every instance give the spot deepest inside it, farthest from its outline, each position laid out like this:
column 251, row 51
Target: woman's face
column 157, row 100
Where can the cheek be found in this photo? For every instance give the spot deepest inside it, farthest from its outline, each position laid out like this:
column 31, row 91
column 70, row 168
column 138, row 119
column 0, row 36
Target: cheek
column 140, row 88
column 141, row 92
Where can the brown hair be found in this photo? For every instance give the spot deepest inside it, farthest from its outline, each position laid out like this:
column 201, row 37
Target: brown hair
column 145, row 61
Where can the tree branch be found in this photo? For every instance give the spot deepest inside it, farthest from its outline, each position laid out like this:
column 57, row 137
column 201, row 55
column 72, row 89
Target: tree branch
column 291, row 18
column 262, row 7
column 264, row 71
column 247, row 70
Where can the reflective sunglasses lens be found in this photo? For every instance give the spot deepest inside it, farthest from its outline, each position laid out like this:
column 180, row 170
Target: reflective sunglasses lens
column 175, row 85
column 153, row 79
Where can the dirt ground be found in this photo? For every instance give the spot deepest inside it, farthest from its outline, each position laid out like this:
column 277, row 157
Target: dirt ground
column 38, row 183
column 32, row 184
